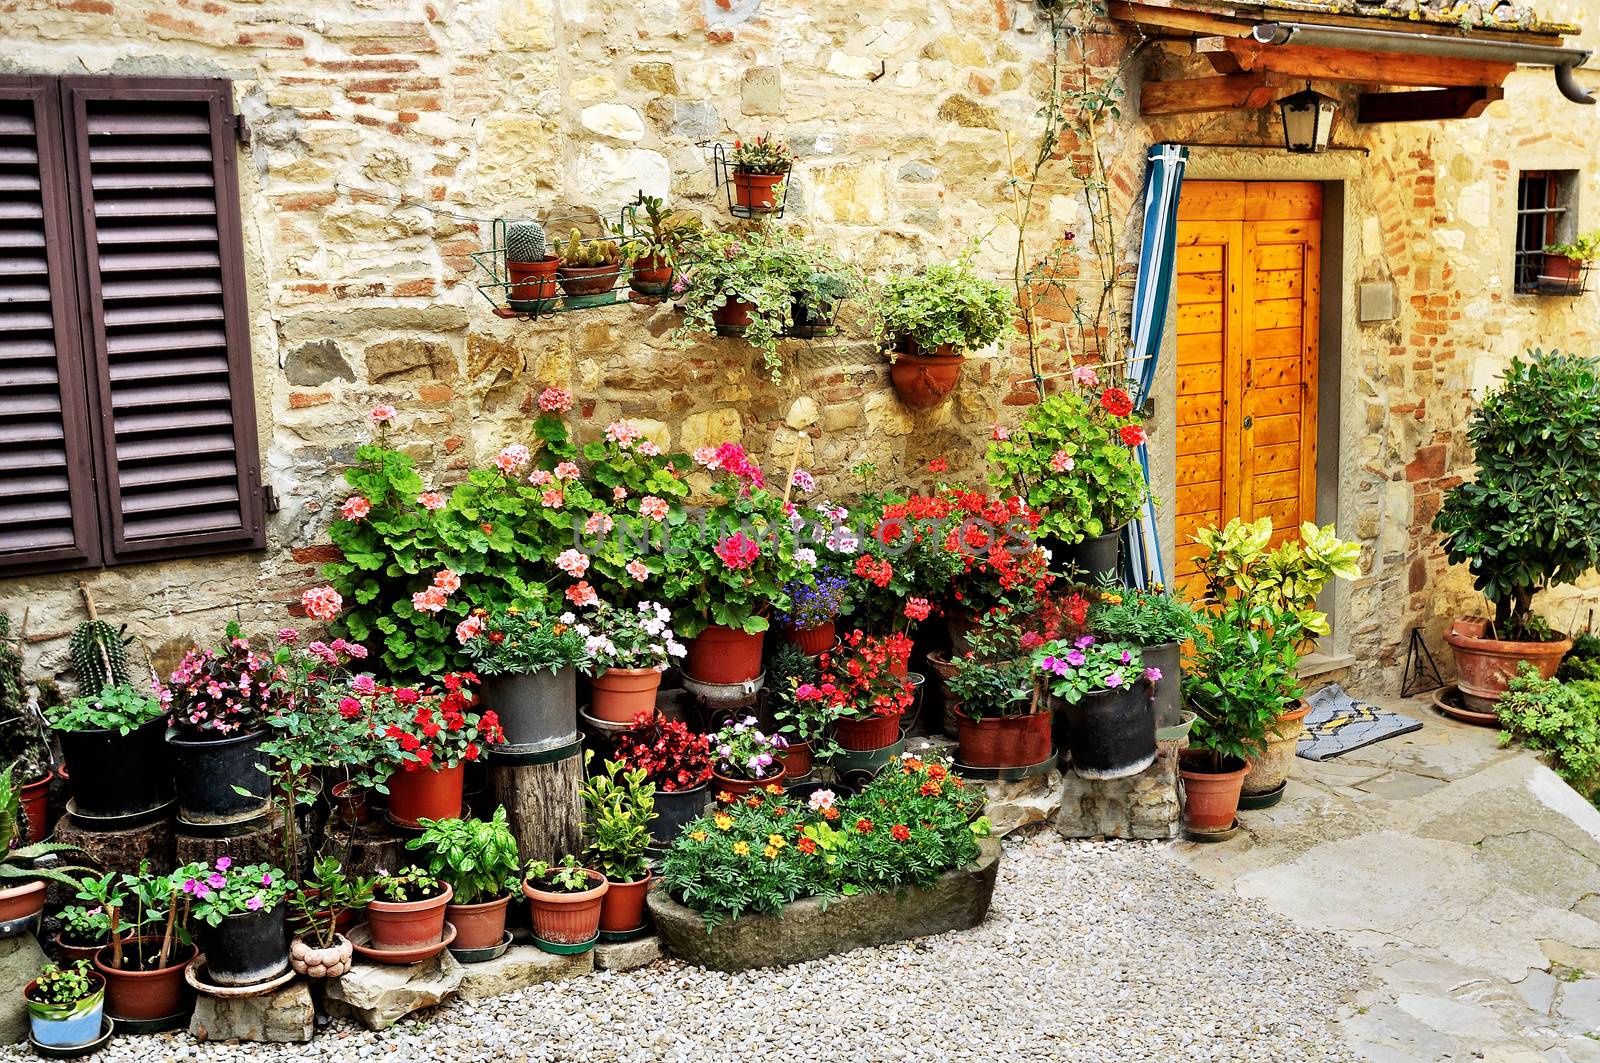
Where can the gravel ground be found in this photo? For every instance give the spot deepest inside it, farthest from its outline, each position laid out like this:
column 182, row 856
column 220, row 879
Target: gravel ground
column 1092, row 951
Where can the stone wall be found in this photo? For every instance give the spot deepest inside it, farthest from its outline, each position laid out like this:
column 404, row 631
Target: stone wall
column 385, row 135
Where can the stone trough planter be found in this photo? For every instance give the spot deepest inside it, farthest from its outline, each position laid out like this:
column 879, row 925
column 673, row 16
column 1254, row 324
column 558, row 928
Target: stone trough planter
column 806, row 931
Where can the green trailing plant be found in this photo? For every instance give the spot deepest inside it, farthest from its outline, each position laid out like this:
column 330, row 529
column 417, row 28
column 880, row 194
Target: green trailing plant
column 1583, row 660
column 1238, row 561
column 1560, row 719
column 944, row 303
column 477, row 857
column 99, row 656
column 1531, row 518
column 325, row 895
column 21, row 864
column 1584, row 247
column 618, row 806
column 1243, row 674
column 578, row 253
column 120, row 708
column 24, row 738
column 567, row 875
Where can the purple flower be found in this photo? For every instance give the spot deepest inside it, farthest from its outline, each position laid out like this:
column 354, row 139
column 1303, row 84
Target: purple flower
column 191, row 886
column 754, row 763
column 1126, row 658
column 1114, row 679
column 1084, row 642
column 266, row 880
column 216, row 880
column 1076, row 658
column 254, row 903
column 224, row 862
column 1152, row 674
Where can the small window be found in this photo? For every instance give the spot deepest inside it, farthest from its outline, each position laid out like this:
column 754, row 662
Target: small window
column 1547, row 212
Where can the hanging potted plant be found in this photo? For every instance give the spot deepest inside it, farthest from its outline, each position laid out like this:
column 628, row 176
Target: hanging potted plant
column 322, row 907
column 22, row 879
column 864, row 688
column 478, row 860
column 931, row 319
column 528, row 661
column 65, row 1006
column 149, row 942
column 218, row 704
column 114, row 746
column 431, row 734
column 1529, row 521
column 1103, row 691
column 804, row 725
column 618, row 807
column 84, row 932
column 1159, row 622
column 246, row 913
column 1564, row 265
column 1240, row 680
column 759, row 166
column 628, row 649
column 530, row 268
column 744, row 758
column 589, row 270
column 816, row 304
column 657, row 249
column 565, row 900
column 676, row 761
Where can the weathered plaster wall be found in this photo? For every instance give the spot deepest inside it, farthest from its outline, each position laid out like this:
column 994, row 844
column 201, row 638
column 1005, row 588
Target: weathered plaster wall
column 364, row 111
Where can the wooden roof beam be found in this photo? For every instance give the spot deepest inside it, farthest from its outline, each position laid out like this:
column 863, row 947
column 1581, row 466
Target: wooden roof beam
column 1228, row 92
column 1230, row 55
column 1427, row 105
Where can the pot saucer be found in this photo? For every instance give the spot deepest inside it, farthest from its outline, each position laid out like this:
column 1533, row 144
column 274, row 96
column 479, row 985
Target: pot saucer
column 561, row 948
column 108, row 1026
column 195, row 975
column 361, row 940
column 1250, row 802
column 613, row 937
column 1205, row 836
column 1448, row 701
column 126, row 821
column 493, row 952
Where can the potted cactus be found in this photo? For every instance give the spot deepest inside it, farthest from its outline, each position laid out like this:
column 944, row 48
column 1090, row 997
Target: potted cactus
column 759, row 167
column 589, row 269
column 530, row 267
column 657, row 248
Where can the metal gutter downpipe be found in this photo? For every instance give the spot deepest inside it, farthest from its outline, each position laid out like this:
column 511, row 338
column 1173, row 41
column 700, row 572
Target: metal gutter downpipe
column 1564, row 60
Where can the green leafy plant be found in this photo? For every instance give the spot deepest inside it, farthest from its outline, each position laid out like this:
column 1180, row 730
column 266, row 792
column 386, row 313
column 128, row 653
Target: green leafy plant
column 1556, row 718
column 21, row 864
column 147, row 914
column 618, row 806
column 1238, row 561
column 1073, row 669
column 323, row 897
column 799, row 720
column 409, row 884
column 230, row 889
column 522, row 639
column 944, row 303
column 1584, row 247
column 567, row 875
column 1244, row 673
column 1145, row 617
column 477, row 857
column 84, row 927
column 1583, row 660
column 66, row 985
column 120, row 708
column 1531, row 519
column 763, row 155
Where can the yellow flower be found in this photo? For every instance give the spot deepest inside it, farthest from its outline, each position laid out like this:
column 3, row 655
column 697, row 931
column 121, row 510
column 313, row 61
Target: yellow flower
column 698, row 835
column 769, row 852
column 774, row 789
column 741, row 849
column 776, row 841
column 722, row 820
column 1114, row 599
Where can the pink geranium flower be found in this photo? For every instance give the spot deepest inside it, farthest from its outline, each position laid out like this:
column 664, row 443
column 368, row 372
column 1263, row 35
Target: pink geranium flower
column 431, row 500
column 573, row 563
column 322, row 603
column 355, row 507
column 654, row 508
column 582, row 595
column 469, row 629
column 738, row 551
column 382, row 413
column 638, row 570
column 555, row 400
column 447, row 581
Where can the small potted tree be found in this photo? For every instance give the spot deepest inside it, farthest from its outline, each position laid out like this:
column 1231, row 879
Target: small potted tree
column 478, row 859
column 245, row 912
column 743, row 758
column 407, row 909
column 65, row 1006
column 321, row 905
column 617, row 809
column 565, row 900
column 759, row 166
column 676, row 761
column 149, row 944
column 114, row 748
column 528, row 661
column 627, row 650
column 931, row 319
column 1529, row 521
column 1103, row 690
column 1564, row 265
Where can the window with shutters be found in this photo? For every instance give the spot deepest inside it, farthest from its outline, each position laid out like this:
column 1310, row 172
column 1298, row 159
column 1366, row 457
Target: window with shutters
column 127, row 427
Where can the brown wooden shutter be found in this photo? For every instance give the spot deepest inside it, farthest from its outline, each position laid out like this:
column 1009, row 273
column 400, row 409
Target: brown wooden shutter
column 162, row 283
column 48, row 517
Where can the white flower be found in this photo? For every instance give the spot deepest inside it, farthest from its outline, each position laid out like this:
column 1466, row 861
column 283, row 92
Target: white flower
column 805, row 556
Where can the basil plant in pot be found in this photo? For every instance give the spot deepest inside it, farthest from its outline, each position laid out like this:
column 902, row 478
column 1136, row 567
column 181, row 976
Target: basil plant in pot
column 931, row 319
column 479, row 860
column 1530, row 520
column 618, row 806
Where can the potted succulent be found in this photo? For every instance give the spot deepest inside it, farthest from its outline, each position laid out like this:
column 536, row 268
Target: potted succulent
column 655, row 249
column 759, row 166
column 1242, row 676
column 815, row 601
column 148, row 945
column 865, row 688
column 65, row 1005
column 22, row 879
column 407, row 909
column 930, row 319
column 113, row 742
column 806, row 726
column 432, row 734
column 245, row 911
column 322, row 905
column 478, row 860
column 1564, row 264
column 84, row 932
column 627, row 651
column 530, row 268
column 1074, row 460
column 589, row 270
column 528, row 661
column 1103, row 691
column 218, row 704
column 676, row 761
column 24, row 739
column 744, row 758
column 565, row 900
column 1158, row 621
column 1531, row 518
column 1001, row 721
column 618, row 807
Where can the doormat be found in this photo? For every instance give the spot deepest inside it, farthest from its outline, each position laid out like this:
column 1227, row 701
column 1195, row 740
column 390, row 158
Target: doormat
column 1338, row 723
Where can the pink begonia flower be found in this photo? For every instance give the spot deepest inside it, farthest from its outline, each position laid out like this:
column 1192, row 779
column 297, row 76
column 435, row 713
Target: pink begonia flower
column 289, row 635
column 364, row 684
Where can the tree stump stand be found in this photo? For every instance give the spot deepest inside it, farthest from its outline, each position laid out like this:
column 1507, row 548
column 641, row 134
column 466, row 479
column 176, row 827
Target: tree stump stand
column 122, row 850
column 369, row 848
column 259, row 845
column 542, row 801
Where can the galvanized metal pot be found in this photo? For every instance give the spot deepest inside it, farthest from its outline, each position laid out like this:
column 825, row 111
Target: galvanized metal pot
column 538, row 710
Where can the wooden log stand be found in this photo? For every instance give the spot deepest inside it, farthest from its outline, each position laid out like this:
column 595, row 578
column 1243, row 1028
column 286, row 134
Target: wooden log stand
column 122, row 850
column 369, row 848
column 540, row 792
column 262, row 844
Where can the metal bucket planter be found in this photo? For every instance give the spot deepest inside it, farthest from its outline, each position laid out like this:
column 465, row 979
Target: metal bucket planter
column 538, row 710
column 1111, row 733
column 676, row 809
column 1169, row 688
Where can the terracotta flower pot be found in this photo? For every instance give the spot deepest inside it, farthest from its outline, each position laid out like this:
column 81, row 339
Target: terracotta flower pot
column 796, row 760
column 1272, row 769
column 737, row 788
column 588, row 280
column 146, row 994
column 567, row 918
column 724, row 655
column 1558, row 273
column 73, row 953
column 313, row 962
column 732, row 317
column 403, row 924
column 874, row 732
column 622, row 908
column 20, row 902
column 350, row 803
column 945, row 670
column 617, row 695
column 36, row 803
column 478, row 926
column 651, row 276
column 533, row 281
column 1210, row 799
column 757, row 192
column 419, row 795
column 1003, row 741
column 923, row 382
column 1485, row 665
column 813, row 641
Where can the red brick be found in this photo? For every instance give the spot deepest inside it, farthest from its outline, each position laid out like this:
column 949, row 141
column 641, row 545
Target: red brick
column 1427, row 465
column 299, row 400
column 320, row 554
column 436, row 393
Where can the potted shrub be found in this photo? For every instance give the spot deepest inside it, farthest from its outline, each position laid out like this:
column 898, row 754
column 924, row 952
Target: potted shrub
column 528, row 661
column 1563, row 266
column 114, row 745
column 478, row 860
column 22, row 879
column 322, row 905
column 432, row 734
column 84, row 932
column 804, row 725
column 743, row 758
column 815, row 602
column 564, row 900
column 407, row 909
column 589, row 270
column 676, row 761
column 1242, row 676
column 148, row 918
column 864, row 688
column 1074, row 460
column 931, row 319
column 530, row 268
column 658, row 247
column 246, row 914
column 759, row 166
column 65, row 1005
column 1103, row 691
column 627, row 650
column 1236, row 561
column 332, row 730
column 1001, row 721
column 617, row 809
column 24, row 740
column 1531, row 518
column 218, row 705
column 1159, row 622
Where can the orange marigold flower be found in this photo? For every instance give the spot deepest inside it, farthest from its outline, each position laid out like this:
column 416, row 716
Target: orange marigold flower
column 864, row 825
column 900, row 832
column 774, row 789
column 806, row 845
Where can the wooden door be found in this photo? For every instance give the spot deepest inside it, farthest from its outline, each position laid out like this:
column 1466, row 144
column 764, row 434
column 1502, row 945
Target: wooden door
column 1248, row 293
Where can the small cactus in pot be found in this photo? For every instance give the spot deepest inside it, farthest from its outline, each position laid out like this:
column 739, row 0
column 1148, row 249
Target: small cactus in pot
column 525, row 242
column 589, row 267
column 530, row 267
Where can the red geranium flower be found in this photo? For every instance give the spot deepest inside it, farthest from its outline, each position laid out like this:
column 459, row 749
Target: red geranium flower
column 1116, row 402
column 1132, row 435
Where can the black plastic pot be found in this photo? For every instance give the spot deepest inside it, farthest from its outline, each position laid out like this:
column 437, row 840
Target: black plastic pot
column 674, row 811
column 115, row 774
column 1169, row 688
column 248, row 948
column 1111, row 733
column 1096, row 558
column 205, row 774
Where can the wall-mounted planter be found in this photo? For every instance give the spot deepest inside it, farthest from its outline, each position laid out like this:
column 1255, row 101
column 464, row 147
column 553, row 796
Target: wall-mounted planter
column 924, row 377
